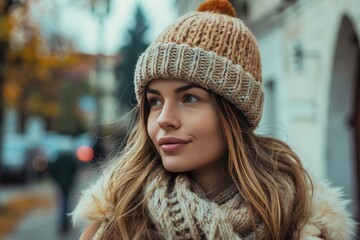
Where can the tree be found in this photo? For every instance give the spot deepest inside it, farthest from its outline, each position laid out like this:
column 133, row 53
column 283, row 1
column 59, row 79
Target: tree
column 5, row 5
column 31, row 82
column 129, row 55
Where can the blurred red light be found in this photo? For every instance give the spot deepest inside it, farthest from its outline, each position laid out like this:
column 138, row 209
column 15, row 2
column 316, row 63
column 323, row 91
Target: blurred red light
column 85, row 153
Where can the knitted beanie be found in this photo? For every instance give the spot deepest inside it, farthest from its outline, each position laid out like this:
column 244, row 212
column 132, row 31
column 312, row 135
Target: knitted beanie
column 212, row 49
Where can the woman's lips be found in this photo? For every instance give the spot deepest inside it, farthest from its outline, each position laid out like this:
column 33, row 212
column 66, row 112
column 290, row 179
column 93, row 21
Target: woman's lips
column 172, row 144
column 172, row 147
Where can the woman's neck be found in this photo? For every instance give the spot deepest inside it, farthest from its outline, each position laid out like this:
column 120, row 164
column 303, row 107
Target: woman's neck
column 211, row 178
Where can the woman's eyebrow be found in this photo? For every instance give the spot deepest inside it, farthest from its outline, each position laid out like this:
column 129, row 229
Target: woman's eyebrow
column 186, row 87
column 149, row 90
column 178, row 90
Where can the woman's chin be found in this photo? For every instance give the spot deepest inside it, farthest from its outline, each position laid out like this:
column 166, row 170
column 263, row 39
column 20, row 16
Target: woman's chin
column 175, row 167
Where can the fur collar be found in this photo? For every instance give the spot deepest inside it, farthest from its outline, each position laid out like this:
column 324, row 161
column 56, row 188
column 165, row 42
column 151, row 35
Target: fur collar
column 329, row 217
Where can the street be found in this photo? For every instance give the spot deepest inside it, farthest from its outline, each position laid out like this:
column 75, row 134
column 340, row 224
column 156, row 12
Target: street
column 42, row 222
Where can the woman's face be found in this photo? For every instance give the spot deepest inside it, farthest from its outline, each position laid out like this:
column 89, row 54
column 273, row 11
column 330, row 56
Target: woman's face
column 183, row 125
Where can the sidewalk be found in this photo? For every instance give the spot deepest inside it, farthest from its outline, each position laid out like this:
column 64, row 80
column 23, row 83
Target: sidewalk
column 42, row 223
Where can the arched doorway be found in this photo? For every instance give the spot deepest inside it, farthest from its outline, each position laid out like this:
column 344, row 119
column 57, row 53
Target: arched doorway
column 343, row 131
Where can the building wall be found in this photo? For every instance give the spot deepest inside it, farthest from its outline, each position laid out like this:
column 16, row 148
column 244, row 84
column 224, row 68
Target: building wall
column 260, row 8
column 184, row 6
column 104, row 82
column 300, row 51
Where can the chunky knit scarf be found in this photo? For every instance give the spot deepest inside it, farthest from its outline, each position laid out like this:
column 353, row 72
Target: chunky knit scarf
column 179, row 209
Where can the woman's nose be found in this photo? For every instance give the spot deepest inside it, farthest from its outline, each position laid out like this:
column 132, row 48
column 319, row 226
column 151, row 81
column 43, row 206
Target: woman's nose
column 169, row 117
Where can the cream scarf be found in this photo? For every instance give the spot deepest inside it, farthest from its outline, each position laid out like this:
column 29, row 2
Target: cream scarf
column 179, row 209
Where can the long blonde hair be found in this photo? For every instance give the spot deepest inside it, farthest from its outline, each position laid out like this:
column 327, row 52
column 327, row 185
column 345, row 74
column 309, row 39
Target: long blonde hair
column 267, row 173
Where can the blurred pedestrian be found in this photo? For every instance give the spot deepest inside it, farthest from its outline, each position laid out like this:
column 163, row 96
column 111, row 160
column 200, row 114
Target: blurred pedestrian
column 99, row 151
column 63, row 171
column 193, row 167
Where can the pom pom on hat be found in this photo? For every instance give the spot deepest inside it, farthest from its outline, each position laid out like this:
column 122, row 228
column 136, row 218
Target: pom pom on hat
column 217, row 6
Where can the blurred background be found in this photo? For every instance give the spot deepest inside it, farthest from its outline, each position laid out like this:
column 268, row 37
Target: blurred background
column 66, row 73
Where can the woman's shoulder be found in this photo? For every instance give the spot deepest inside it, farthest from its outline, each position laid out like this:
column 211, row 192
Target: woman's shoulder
column 328, row 217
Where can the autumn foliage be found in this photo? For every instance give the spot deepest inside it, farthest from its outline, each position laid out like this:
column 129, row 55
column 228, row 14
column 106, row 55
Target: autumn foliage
column 33, row 64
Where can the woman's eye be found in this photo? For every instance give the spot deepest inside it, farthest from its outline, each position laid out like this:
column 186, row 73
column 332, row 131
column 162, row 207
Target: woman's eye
column 154, row 102
column 190, row 98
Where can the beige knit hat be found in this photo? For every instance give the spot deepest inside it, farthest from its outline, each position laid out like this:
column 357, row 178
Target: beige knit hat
column 213, row 49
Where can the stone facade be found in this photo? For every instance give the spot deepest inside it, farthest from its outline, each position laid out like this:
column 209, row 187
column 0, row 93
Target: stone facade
column 310, row 56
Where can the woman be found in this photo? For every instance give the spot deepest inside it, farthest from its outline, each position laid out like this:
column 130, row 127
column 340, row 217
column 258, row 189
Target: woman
column 193, row 168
